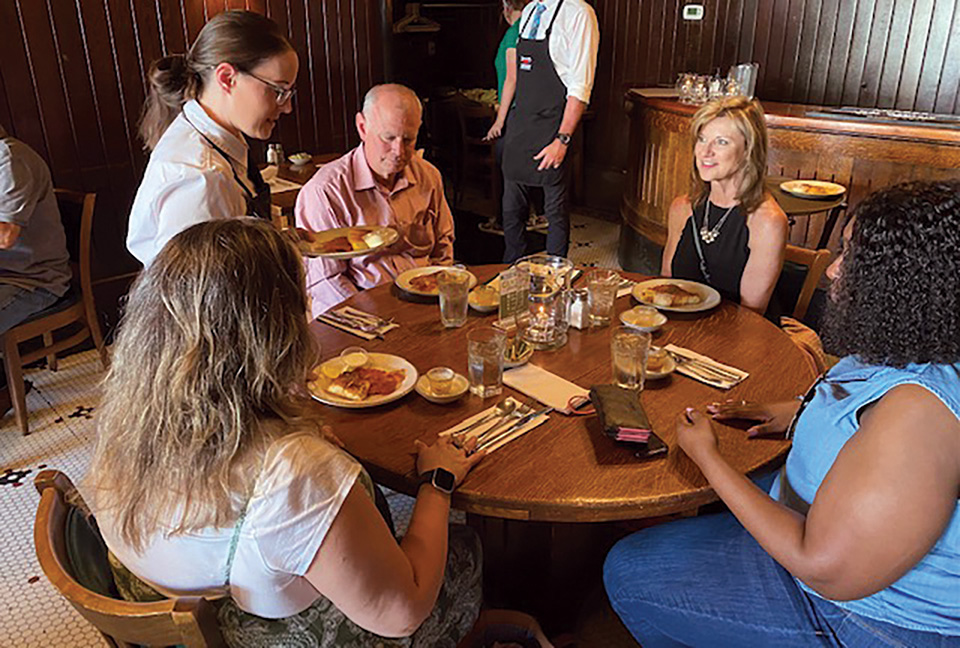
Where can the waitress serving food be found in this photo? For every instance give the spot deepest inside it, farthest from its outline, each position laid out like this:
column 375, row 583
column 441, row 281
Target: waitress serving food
column 234, row 83
column 556, row 61
column 728, row 231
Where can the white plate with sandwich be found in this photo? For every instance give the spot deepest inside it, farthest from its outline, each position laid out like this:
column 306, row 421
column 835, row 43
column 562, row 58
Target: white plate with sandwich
column 815, row 189
column 348, row 242
column 677, row 295
column 423, row 281
column 384, row 378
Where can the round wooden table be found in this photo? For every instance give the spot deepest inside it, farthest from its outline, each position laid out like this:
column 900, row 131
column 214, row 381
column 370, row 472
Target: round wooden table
column 566, row 470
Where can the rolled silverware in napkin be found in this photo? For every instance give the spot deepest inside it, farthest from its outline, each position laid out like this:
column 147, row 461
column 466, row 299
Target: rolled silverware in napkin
column 705, row 369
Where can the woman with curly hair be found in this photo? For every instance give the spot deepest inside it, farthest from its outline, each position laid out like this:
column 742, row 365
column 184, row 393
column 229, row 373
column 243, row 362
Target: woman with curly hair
column 728, row 231
column 858, row 542
column 212, row 476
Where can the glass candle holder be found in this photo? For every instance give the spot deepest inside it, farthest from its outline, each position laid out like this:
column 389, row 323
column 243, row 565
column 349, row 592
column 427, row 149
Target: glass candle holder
column 547, row 301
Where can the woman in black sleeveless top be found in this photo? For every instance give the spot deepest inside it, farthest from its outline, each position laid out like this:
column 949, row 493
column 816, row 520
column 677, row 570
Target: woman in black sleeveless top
column 728, row 232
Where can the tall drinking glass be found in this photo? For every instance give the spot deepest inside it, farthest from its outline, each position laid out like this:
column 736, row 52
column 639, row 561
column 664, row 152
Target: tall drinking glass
column 453, row 285
column 602, row 285
column 485, row 346
column 628, row 356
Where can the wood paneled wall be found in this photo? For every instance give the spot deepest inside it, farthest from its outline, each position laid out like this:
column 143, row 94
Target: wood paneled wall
column 73, row 80
column 877, row 53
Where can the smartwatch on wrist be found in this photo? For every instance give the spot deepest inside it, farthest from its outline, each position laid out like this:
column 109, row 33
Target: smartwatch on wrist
column 564, row 138
column 440, row 478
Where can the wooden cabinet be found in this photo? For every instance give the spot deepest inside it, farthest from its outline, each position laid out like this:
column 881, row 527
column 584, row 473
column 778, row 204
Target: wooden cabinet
column 861, row 155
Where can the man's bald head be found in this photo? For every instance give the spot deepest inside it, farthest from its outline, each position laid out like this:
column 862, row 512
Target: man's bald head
column 388, row 126
column 391, row 96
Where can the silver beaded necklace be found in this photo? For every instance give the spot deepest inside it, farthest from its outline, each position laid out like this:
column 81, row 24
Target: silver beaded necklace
column 710, row 235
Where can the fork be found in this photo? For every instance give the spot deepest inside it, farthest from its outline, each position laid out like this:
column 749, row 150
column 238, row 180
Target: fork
column 707, row 371
column 516, row 414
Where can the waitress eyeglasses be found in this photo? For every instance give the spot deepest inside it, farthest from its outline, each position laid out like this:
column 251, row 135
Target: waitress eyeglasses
column 283, row 94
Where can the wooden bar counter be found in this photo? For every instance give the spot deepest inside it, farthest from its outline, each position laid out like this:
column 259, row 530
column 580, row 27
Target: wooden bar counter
column 862, row 155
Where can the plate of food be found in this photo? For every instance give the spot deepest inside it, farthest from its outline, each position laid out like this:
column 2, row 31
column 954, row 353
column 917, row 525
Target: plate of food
column 348, row 242
column 816, row 189
column 383, row 378
column 678, row 295
column 423, row 281
column 645, row 318
column 518, row 352
column 484, row 299
column 659, row 363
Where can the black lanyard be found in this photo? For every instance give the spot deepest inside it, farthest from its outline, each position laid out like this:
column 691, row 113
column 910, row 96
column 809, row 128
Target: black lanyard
column 257, row 203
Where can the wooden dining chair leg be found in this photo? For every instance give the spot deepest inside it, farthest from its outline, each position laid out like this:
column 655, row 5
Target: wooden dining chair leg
column 97, row 336
column 18, row 393
column 51, row 358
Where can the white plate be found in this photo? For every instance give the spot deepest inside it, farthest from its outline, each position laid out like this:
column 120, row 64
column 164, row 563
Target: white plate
column 403, row 280
column 629, row 317
column 460, row 387
column 312, row 249
column 815, row 189
column 708, row 296
column 378, row 360
column 665, row 370
column 478, row 307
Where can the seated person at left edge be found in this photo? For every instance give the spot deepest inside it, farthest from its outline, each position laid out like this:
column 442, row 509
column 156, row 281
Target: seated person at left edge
column 728, row 231
column 381, row 182
column 234, row 83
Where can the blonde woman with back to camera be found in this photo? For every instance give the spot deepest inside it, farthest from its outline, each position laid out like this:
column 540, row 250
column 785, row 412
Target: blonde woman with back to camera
column 728, row 231
column 212, row 475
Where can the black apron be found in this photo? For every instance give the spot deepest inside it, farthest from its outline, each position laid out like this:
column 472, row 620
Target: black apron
column 534, row 119
column 258, row 204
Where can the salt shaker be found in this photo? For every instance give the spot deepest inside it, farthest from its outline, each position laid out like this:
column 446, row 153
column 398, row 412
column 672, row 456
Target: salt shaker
column 578, row 314
column 272, row 154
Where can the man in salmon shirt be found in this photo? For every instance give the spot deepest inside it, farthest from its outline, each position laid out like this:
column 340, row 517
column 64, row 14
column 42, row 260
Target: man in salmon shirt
column 381, row 182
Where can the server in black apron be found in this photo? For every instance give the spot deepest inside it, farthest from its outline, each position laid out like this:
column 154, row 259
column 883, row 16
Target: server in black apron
column 551, row 95
column 203, row 108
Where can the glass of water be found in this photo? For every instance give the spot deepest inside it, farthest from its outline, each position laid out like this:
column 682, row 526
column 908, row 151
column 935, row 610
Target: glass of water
column 602, row 285
column 453, row 285
column 628, row 356
column 485, row 347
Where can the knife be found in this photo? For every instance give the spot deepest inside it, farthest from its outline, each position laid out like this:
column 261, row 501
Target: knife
column 513, row 428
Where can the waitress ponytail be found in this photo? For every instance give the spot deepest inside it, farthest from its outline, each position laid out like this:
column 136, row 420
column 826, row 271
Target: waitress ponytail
column 242, row 38
column 172, row 83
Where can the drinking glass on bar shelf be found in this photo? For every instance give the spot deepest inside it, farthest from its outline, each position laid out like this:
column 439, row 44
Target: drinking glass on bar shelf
column 485, row 346
column 628, row 357
column 453, row 285
column 602, row 285
column 717, row 88
column 685, row 87
column 701, row 90
column 732, row 87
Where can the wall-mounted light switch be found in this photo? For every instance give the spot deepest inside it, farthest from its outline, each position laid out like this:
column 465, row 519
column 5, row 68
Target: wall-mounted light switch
column 693, row 12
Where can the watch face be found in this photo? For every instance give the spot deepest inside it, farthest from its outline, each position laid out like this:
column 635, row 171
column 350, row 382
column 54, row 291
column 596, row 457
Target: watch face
column 444, row 480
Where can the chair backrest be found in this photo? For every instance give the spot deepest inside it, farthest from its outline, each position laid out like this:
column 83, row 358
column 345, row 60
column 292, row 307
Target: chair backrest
column 76, row 214
column 800, row 262
column 187, row 621
column 475, row 120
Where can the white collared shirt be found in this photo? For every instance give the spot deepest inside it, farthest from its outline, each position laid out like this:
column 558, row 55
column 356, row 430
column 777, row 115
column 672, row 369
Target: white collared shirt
column 187, row 182
column 573, row 44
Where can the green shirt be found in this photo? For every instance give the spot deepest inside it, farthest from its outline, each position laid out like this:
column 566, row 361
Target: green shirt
column 509, row 41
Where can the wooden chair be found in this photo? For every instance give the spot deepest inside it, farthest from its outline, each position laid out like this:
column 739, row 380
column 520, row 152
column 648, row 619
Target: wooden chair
column 813, row 263
column 475, row 120
column 186, row 621
column 76, row 307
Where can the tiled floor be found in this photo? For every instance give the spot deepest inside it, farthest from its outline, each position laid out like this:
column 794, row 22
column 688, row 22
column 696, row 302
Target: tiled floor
column 62, row 427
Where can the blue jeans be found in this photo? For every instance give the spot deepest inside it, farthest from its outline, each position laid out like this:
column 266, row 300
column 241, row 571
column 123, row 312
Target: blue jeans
column 17, row 304
column 706, row 582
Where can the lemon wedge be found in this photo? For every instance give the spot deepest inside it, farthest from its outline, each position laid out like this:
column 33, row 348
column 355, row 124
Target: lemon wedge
column 333, row 368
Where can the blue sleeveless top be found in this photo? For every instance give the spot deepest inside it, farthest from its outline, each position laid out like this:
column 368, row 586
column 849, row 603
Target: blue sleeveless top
column 927, row 597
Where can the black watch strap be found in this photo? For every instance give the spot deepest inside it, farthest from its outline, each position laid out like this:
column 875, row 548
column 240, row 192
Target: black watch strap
column 440, row 478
